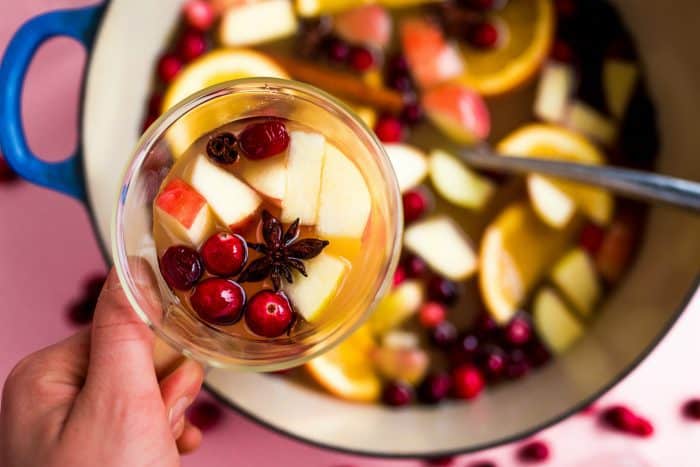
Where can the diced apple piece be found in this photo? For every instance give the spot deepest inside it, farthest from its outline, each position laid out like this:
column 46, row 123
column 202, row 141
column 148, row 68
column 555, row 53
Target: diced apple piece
column 310, row 295
column 554, row 322
column 257, row 22
column 400, row 340
column 397, row 306
column 307, row 152
column 431, row 59
column 345, row 202
column 404, row 364
column 232, row 201
column 588, row 121
column 554, row 91
column 366, row 24
column 443, row 245
column 457, row 183
column 184, row 213
column 551, row 204
column 409, row 163
column 267, row 176
column 458, row 112
column 575, row 276
column 619, row 79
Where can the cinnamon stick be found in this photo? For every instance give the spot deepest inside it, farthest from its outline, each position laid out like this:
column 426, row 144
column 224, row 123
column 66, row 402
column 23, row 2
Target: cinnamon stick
column 343, row 85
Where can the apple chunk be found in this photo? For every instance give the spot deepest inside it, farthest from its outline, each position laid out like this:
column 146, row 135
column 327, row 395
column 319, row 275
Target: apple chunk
column 232, row 201
column 619, row 79
column 443, row 245
column 575, row 276
column 551, row 204
column 344, row 202
column 409, row 163
column 366, row 24
column 459, row 112
column 554, row 322
column 184, row 212
column 307, row 152
column 554, row 91
column 458, row 184
column 397, row 306
column 267, row 176
column 585, row 119
column 310, row 295
column 257, row 22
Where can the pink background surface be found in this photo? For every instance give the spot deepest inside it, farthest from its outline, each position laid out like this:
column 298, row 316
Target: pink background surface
column 47, row 248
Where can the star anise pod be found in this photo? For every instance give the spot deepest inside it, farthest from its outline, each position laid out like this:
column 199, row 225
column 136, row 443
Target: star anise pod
column 282, row 252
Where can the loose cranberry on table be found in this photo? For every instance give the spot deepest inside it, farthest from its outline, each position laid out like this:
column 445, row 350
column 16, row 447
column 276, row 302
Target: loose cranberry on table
column 388, row 129
column 169, row 66
column 467, row 382
column 534, row 451
column 397, row 394
column 623, row 419
column 181, row 267
column 205, row 415
column 443, row 290
column 218, row 301
column 269, row 314
column 691, row 409
column 264, row 139
column 416, row 203
column 199, row 14
column 431, row 314
column 224, row 254
column 434, row 388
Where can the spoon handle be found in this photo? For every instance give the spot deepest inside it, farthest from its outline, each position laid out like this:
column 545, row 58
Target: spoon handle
column 631, row 183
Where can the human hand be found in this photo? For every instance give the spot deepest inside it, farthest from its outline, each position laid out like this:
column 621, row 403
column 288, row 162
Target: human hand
column 94, row 399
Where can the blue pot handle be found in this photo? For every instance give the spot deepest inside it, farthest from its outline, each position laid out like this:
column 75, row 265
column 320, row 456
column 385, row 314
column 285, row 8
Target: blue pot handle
column 65, row 176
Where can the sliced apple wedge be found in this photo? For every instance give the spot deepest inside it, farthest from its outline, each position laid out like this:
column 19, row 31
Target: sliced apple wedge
column 553, row 206
column 366, row 24
column 307, row 152
column 397, row 306
column 554, row 322
column 232, row 201
column 457, row 183
column 184, row 213
column 311, row 294
column 575, row 276
column 458, row 111
column 267, row 176
column 443, row 245
column 517, row 250
column 409, row 163
column 257, row 22
column 554, row 90
column 619, row 79
column 344, row 202
column 588, row 121
column 401, row 363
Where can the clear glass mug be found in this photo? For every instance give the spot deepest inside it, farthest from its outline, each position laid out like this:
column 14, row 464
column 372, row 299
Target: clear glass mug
column 132, row 229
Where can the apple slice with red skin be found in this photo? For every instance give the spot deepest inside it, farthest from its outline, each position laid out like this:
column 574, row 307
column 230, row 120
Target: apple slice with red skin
column 459, row 112
column 183, row 212
column 366, row 24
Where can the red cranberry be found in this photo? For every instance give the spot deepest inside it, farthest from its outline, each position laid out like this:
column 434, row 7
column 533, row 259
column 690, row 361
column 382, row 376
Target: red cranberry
column 443, row 335
column 467, row 382
column 338, row 50
column 400, row 82
column 415, row 266
column 397, row 64
column 218, row 301
column 181, row 267
column 169, row 66
column 565, row 8
column 412, row 113
column 562, row 52
column 465, row 349
column 441, row 461
column 518, row 331
column 691, row 409
column 204, row 415
column 265, row 139
column 360, row 59
column 6, row 172
column 517, row 364
column 199, row 14
column 492, row 361
column 443, row 290
column 591, row 238
column 537, row 353
column 415, row 204
column 388, row 129
column 191, row 45
column 224, row 254
column 434, row 388
column 399, row 275
column 623, row 419
column 483, row 35
column 155, row 103
column 269, row 314
column 485, row 326
column 431, row 314
column 534, row 451
column 397, row 394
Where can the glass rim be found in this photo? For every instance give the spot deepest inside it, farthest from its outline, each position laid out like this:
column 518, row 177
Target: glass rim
column 154, row 134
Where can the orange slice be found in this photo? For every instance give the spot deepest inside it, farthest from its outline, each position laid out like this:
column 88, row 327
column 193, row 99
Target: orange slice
column 348, row 371
column 530, row 28
column 555, row 201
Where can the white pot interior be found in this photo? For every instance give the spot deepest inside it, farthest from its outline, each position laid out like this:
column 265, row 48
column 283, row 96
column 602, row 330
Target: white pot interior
column 632, row 320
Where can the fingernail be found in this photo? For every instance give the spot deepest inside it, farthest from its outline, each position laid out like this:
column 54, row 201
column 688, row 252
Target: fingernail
column 177, row 411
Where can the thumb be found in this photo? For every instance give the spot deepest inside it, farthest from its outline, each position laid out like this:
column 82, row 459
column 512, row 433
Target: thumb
column 121, row 347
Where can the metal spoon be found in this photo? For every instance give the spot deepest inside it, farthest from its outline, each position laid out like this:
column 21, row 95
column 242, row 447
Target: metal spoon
column 627, row 182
